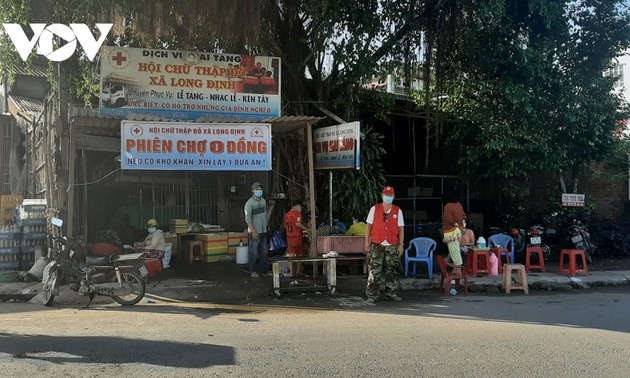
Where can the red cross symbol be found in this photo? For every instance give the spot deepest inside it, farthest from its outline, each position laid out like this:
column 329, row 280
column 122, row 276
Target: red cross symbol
column 136, row 131
column 119, row 58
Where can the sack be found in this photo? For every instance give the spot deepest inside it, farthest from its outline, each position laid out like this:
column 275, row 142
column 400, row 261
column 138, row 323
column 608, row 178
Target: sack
column 166, row 260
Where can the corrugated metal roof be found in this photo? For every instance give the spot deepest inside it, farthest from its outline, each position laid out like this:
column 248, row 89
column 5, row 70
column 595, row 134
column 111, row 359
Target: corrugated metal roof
column 91, row 122
column 32, row 71
column 25, row 106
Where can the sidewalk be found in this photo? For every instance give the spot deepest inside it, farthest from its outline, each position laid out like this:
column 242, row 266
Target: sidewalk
column 227, row 282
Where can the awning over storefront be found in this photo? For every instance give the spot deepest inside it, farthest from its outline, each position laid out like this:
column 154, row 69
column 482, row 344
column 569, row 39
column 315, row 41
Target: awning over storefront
column 93, row 131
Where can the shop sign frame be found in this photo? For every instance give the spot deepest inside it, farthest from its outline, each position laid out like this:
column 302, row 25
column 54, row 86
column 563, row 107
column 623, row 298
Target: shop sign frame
column 189, row 86
column 186, row 146
column 337, row 147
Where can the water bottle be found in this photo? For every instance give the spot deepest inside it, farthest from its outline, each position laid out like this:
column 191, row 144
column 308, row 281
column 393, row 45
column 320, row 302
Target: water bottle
column 240, row 243
column 481, row 242
column 494, row 264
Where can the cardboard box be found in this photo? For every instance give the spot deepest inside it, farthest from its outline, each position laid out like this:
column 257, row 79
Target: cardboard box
column 10, row 201
column 174, row 246
column 178, row 226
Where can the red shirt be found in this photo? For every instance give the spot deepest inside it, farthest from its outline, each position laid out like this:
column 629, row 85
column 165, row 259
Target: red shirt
column 294, row 233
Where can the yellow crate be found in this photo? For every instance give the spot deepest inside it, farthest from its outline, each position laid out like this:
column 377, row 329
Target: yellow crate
column 215, row 243
column 178, row 229
column 179, row 222
column 212, row 257
column 234, row 238
column 10, row 201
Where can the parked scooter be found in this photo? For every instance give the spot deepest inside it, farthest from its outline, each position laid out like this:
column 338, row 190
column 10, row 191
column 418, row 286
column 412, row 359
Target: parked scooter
column 578, row 237
column 120, row 277
column 518, row 239
column 537, row 235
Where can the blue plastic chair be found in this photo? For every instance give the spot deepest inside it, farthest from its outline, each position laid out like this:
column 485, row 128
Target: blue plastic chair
column 424, row 254
column 504, row 241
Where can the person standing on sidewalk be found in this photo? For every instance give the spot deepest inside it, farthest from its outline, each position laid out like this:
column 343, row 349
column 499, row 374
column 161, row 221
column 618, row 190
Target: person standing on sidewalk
column 453, row 222
column 256, row 219
column 384, row 237
column 295, row 239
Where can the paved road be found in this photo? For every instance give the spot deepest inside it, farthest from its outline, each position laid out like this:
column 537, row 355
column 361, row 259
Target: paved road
column 558, row 334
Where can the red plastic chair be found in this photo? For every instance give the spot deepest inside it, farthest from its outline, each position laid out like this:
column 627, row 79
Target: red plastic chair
column 447, row 275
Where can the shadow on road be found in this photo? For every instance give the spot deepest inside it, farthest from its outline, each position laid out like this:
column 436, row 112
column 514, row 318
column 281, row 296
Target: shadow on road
column 114, row 350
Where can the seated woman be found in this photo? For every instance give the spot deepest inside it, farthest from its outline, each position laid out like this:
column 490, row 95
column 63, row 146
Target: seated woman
column 154, row 242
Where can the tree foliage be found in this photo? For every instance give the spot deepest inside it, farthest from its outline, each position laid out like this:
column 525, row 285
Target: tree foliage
column 327, row 47
column 518, row 83
column 525, row 86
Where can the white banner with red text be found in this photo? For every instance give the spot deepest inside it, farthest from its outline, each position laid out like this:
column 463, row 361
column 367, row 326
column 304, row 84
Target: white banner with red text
column 187, row 85
column 147, row 145
column 337, row 147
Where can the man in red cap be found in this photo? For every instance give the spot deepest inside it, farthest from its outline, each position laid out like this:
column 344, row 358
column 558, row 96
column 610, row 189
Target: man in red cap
column 384, row 237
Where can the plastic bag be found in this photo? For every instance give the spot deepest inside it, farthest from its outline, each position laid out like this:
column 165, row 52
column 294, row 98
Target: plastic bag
column 278, row 244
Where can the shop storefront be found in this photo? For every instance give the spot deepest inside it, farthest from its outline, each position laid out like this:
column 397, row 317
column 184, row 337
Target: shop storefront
column 106, row 196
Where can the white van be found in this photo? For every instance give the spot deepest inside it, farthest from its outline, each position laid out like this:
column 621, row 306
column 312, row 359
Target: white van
column 114, row 95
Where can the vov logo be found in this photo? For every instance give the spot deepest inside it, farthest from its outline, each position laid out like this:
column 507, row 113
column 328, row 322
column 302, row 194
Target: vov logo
column 44, row 34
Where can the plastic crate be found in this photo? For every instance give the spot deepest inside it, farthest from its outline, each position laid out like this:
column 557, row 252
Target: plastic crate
column 10, row 201
column 10, row 250
column 341, row 244
column 34, row 235
column 27, row 260
column 27, row 249
column 31, row 222
column 10, row 235
column 13, row 265
column 33, row 208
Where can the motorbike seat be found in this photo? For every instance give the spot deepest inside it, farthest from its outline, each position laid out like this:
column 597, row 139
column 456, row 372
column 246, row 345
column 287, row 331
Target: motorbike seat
column 98, row 260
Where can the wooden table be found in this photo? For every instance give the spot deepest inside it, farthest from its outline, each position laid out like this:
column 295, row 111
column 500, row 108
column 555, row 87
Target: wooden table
column 331, row 274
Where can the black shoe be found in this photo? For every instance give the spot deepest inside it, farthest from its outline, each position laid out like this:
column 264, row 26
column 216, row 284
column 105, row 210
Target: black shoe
column 394, row 298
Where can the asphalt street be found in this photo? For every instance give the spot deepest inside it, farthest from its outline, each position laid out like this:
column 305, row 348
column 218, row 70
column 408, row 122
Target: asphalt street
column 559, row 334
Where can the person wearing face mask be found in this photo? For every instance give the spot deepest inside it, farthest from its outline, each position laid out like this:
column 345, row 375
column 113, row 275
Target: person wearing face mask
column 155, row 240
column 256, row 219
column 384, row 238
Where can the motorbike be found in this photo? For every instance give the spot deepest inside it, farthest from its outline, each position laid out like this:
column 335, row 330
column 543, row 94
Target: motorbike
column 516, row 233
column 538, row 235
column 120, row 277
column 578, row 237
column 535, row 238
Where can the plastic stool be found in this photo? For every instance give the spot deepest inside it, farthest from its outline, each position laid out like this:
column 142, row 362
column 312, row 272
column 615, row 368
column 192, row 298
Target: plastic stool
column 193, row 246
column 522, row 278
column 474, row 265
column 541, row 259
column 499, row 251
column 572, row 255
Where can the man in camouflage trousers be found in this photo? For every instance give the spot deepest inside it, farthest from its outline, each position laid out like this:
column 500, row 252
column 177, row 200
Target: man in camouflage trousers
column 384, row 237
